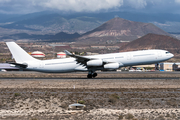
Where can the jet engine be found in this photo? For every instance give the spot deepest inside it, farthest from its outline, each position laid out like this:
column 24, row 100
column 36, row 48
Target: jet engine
column 95, row 63
column 111, row 66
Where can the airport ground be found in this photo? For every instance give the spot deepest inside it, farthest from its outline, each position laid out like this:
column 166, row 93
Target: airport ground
column 112, row 95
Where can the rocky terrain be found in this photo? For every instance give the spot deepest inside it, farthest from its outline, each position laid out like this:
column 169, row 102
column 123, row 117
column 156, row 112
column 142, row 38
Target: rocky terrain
column 105, row 98
column 52, row 103
column 59, row 37
column 119, row 29
column 54, row 22
column 154, row 41
column 113, row 31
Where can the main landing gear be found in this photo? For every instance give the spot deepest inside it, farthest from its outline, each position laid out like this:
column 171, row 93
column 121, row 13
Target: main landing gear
column 91, row 75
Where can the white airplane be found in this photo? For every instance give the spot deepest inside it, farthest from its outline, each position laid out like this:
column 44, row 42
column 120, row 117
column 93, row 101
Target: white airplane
column 86, row 63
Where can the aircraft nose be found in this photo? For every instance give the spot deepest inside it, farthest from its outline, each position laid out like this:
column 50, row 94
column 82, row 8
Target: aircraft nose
column 172, row 55
column 169, row 55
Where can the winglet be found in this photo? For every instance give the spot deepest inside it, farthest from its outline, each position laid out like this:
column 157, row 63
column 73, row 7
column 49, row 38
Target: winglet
column 67, row 52
column 78, row 58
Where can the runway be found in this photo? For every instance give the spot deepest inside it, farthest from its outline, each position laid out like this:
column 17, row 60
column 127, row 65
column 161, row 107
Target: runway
column 83, row 75
column 44, row 96
column 20, row 79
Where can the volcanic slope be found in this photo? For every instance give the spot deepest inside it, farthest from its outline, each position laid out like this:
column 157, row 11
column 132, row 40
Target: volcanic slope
column 154, row 41
column 119, row 29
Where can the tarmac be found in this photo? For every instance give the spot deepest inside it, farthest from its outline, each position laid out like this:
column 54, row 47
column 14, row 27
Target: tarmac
column 111, row 95
column 83, row 75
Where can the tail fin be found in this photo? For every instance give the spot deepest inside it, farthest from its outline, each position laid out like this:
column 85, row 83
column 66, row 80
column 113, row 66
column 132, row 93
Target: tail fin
column 18, row 53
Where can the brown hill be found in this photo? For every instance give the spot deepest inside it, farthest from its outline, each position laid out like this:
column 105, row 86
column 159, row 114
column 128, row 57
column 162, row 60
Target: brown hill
column 154, row 41
column 120, row 29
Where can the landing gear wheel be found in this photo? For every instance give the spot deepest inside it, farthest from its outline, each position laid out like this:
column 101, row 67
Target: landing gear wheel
column 89, row 76
column 94, row 75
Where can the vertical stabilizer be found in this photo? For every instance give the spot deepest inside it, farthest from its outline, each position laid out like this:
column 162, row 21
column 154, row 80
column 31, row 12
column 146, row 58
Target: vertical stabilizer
column 18, row 53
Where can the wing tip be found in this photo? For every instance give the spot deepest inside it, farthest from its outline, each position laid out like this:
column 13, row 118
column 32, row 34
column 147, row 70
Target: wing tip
column 67, row 52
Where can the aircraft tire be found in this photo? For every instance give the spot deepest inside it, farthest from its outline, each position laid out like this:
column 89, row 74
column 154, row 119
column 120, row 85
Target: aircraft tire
column 89, row 76
column 94, row 75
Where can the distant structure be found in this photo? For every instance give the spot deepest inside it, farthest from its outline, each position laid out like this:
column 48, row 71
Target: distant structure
column 61, row 55
column 37, row 54
column 59, row 47
column 169, row 66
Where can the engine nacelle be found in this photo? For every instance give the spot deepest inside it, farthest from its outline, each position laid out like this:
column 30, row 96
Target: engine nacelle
column 111, row 66
column 95, row 63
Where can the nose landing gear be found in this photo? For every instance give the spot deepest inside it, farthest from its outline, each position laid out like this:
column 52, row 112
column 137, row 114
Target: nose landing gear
column 91, row 75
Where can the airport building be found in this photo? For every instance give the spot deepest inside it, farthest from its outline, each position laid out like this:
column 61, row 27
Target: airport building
column 160, row 67
column 169, row 66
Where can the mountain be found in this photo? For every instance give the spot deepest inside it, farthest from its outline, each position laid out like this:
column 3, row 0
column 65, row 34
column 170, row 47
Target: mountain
column 54, row 23
column 26, row 36
column 64, row 36
column 119, row 29
column 154, row 41
column 101, row 16
column 5, row 17
column 20, row 17
column 59, row 37
column 82, row 22
column 49, row 22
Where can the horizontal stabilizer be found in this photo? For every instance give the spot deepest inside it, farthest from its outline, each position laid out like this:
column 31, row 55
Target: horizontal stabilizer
column 20, row 65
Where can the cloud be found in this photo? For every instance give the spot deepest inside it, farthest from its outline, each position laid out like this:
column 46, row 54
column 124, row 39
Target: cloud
column 137, row 4
column 17, row 6
column 152, row 6
column 4, row 1
column 165, row 6
column 63, row 5
column 177, row 1
column 29, row 6
column 81, row 5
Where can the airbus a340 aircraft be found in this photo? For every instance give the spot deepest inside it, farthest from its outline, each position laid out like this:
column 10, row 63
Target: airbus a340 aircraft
column 86, row 63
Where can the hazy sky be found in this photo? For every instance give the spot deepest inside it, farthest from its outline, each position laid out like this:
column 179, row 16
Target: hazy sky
column 29, row 6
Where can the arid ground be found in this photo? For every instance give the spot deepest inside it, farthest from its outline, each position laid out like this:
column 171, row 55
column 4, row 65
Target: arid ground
column 136, row 96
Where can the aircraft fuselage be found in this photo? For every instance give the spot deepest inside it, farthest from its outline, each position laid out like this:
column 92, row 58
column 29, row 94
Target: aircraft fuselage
column 124, row 59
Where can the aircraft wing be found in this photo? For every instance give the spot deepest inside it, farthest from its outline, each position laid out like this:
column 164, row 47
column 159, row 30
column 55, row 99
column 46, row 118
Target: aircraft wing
column 79, row 59
column 84, row 60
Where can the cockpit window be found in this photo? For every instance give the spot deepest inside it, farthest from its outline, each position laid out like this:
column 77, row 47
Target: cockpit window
column 167, row 52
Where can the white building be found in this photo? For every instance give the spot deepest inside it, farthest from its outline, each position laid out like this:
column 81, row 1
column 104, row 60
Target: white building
column 37, row 54
column 61, row 55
